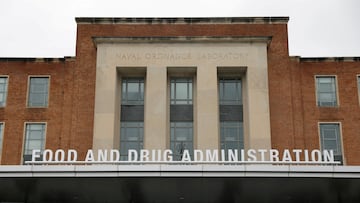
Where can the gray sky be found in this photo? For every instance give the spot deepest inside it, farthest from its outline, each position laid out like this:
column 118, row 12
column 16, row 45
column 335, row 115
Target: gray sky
column 47, row 28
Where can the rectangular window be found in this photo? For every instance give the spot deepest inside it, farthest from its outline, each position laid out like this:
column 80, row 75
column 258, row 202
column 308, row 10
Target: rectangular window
column 230, row 92
column 181, row 116
column 3, row 90
column 131, row 137
column 34, row 138
column 132, row 116
column 231, row 135
column 132, row 91
column 181, row 91
column 181, row 138
column 231, row 114
column 1, row 137
column 38, row 92
column 326, row 91
column 331, row 139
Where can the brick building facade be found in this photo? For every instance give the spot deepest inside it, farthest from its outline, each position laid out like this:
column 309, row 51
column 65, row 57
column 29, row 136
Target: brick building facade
column 294, row 114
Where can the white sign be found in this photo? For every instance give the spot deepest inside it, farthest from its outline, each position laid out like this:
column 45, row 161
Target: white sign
column 103, row 156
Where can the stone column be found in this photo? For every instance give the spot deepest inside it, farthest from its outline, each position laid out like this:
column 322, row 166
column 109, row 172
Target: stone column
column 156, row 115
column 207, row 108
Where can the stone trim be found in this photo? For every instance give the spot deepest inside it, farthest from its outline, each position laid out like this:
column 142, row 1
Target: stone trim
column 213, row 20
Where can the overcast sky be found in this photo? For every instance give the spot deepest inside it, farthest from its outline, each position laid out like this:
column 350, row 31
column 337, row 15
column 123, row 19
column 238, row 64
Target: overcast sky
column 47, row 28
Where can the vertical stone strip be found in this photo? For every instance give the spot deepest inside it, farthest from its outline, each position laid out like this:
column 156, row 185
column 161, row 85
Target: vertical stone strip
column 156, row 115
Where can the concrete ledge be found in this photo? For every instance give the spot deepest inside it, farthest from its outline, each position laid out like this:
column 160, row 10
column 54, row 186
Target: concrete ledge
column 159, row 170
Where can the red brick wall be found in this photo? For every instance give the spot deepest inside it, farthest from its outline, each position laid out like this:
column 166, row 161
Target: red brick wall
column 16, row 113
column 348, row 111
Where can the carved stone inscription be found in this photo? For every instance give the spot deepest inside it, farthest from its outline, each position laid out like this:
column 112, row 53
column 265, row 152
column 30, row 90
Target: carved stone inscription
column 182, row 56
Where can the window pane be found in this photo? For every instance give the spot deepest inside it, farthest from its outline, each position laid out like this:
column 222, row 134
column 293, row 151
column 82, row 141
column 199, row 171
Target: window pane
column 182, row 134
column 181, row 138
column 327, row 97
column 35, row 135
column 2, row 87
column 231, row 135
column 326, row 87
column 141, row 94
column 330, row 138
column 132, row 91
column 36, row 126
column 190, row 91
column 230, row 91
column 35, row 138
column 331, row 144
column 133, row 145
column 123, row 90
column 181, row 91
column 34, row 144
column 3, row 90
column 38, row 92
column 231, row 145
column 172, row 90
column 329, row 134
column 326, row 91
column 326, row 80
column 131, row 137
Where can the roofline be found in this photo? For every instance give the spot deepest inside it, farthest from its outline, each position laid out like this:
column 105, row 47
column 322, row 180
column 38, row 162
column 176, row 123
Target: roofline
column 197, row 20
column 33, row 59
column 329, row 59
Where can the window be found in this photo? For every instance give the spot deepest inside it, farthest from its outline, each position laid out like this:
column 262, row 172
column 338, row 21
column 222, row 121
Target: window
column 230, row 91
column 231, row 135
column 131, row 137
column 231, row 114
column 38, row 92
column 358, row 81
column 181, row 138
column 181, row 91
column 331, row 139
column 1, row 137
column 132, row 91
column 3, row 90
column 181, row 116
column 34, row 138
column 132, row 116
column 326, row 91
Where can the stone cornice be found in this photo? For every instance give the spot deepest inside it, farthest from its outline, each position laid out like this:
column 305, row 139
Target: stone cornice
column 211, row 20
